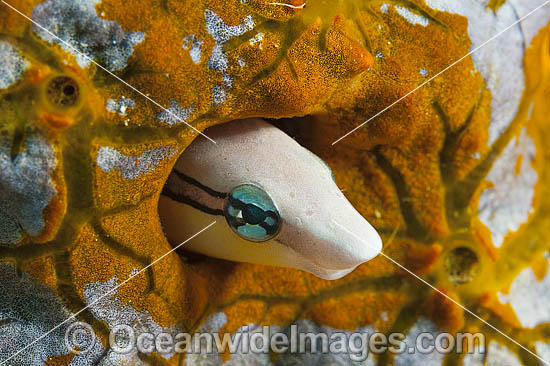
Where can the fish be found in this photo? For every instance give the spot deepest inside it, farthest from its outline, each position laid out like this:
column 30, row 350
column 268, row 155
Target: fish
column 274, row 202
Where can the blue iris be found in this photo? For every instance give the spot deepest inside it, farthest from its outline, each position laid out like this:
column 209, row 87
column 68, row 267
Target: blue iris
column 251, row 213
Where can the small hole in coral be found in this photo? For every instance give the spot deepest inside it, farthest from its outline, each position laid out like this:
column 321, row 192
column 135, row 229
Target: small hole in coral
column 69, row 90
column 63, row 91
column 462, row 265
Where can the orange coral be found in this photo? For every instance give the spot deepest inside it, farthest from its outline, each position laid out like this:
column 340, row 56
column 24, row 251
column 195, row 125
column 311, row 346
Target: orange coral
column 413, row 171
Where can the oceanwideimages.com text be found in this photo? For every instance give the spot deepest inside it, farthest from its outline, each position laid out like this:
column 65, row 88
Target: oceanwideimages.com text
column 124, row 339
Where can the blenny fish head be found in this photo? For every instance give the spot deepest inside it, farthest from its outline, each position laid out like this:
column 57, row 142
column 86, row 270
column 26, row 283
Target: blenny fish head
column 275, row 203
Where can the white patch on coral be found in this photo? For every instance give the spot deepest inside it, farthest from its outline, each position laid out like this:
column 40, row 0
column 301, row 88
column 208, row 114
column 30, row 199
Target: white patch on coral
column 175, row 113
column 411, row 17
column 384, row 8
column 104, row 304
column 258, row 38
column 530, row 298
column 217, row 320
column 422, row 325
column 218, row 60
column 213, row 323
column 343, row 358
column 506, row 205
column 543, row 351
column 219, row 94
column 424, row 72
column 120, row 106
column 532, row 25
column 474, row 358
column 29, row 309
column 498, row 355
column 194, row 46
column 26, row 187
column 76, row 22
column 13, row 64
column 500, row 62
column 131, row 167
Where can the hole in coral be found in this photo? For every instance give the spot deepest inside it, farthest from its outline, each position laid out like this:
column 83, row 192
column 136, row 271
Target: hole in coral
column 62, row 92
column 69, row 90
column 461, row 265
column 299, row 128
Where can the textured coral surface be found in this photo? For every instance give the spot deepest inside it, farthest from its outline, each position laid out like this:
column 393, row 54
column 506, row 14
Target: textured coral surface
column 455, row 177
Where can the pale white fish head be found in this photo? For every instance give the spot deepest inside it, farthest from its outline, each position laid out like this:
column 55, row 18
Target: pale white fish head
column 316, row 228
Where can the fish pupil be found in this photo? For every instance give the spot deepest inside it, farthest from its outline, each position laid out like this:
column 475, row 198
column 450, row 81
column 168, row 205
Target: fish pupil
column 253, row 215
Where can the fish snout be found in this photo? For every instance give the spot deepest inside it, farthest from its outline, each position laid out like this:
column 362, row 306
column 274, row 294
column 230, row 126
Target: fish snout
column 342, row 246
column 353, row 242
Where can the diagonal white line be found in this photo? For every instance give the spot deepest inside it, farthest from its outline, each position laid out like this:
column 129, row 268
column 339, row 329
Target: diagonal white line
column 104, row 69
column 73, row 316
column 444, row 70
column 448, row 297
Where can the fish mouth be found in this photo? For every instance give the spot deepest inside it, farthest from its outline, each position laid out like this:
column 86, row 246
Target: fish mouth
column 326, row 273
column 306, row 264
column 332, row 274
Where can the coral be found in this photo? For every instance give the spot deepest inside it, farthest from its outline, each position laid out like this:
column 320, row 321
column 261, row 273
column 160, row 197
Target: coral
column 455, row 177
column 14, row 64
column 120, row 106
column 26, row 187
column 84, row 34
column 23, row 321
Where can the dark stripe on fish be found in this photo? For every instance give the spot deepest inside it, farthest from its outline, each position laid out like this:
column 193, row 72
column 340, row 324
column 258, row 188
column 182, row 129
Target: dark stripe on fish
column 184, row 189
column 198, row 184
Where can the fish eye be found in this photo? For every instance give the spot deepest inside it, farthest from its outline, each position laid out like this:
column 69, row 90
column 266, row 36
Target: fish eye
column 251, row 213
